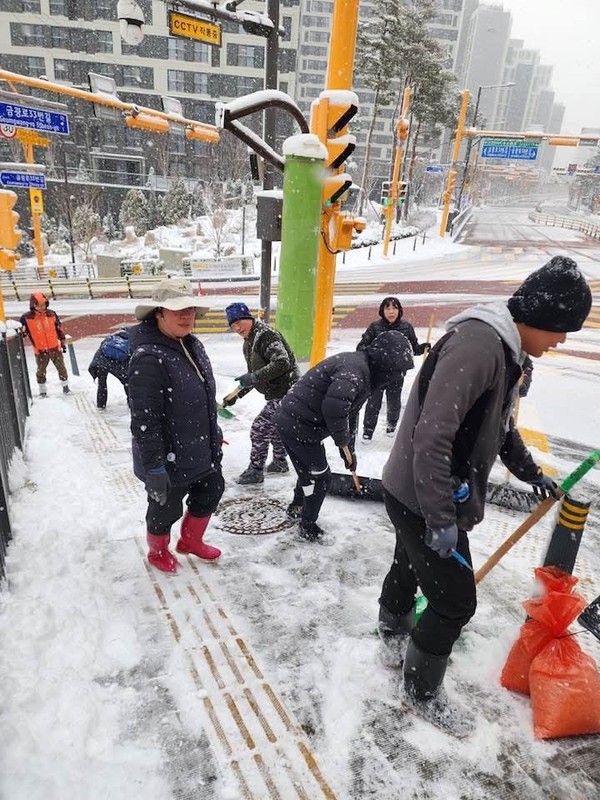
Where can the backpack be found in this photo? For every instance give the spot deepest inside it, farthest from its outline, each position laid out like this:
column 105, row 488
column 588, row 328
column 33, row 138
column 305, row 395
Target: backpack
column 115, row 347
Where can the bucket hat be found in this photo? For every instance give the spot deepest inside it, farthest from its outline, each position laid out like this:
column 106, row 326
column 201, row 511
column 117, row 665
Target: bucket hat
column 174, row 294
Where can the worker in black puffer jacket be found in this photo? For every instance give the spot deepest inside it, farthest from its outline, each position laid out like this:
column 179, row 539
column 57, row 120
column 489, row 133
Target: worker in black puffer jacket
column 390, row 313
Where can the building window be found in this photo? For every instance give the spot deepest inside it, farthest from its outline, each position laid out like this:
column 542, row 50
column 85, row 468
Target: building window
column 57, row 7
column 105, row 44
column 132, row 76
column 59, row 37
column 201, row 53
column 132, row 137
column 31, row 6
column 246, row 55
column 176, row 49
column 109, row 134
column 104, row 9
column 176, row 80
column 33, row 35
column 177, row 145
column 249, row 85
column 36, row 66
column 61, row 69
column 314, row 64
column 200, row 83
column 316, row 36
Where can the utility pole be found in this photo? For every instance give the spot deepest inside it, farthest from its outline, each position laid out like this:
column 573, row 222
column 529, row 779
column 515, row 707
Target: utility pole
column 68, row 208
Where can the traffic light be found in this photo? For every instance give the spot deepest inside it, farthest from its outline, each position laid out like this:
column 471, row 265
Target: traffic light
column 385, row 193
column 147, row 122
column 330, row 115
column 447, row 195
column 10, row 235
column 402, row 192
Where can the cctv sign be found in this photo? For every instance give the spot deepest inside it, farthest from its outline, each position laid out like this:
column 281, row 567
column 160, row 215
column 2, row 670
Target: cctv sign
column 194, row 28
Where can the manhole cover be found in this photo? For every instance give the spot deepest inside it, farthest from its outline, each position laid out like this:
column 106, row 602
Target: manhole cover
column 251, row 516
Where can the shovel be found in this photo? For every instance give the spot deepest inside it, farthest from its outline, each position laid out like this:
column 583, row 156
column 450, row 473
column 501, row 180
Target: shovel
column 590, row 618
column 224, row 412
column 355, row 480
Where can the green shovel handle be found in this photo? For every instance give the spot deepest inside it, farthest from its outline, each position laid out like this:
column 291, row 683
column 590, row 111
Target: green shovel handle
column 578, row 473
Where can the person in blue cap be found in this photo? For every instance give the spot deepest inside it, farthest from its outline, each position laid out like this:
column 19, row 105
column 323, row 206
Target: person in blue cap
column 272, row 371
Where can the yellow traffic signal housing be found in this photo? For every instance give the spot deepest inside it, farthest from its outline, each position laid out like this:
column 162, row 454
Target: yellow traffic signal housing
column 147, row 122
column 447, row 195
column 10, row 235
column 342, row 106
column 335, row 187
column 8, row 261
column 402, row 192
column 344, row 226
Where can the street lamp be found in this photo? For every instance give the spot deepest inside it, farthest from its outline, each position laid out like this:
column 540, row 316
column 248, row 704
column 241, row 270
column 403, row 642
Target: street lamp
column 470, row 142
column 70, row 146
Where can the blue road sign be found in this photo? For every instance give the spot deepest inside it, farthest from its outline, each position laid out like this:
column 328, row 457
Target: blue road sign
column 23, row 180
column 34, row 118
column 435, row 169
column 518, row 149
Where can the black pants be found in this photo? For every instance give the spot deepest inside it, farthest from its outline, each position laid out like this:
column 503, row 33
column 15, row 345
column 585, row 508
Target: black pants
column 393, row 399
column 310, row 463
column 102, row 392
column 448, row 586
column 203, row 498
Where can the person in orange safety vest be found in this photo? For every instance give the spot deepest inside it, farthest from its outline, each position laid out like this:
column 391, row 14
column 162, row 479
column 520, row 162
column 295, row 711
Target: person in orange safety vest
column 44, row 328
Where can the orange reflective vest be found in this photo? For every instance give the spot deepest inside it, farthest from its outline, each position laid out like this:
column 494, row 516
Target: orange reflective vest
column 44, row 331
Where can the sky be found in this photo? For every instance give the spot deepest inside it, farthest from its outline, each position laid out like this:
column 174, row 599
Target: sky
column 566, row 34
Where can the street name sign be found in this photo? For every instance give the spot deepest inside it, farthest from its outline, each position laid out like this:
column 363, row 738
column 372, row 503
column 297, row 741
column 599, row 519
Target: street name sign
column 22, row 180
column 434, row 169
column 34, row 118
column 193, row 28
column 518, row 149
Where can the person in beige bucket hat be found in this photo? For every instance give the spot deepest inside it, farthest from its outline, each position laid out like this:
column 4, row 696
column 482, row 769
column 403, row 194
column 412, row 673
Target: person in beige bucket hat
column 176, row 440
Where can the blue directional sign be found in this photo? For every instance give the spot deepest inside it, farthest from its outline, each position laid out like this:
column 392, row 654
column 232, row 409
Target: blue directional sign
column 518, row 149
column 34, row 118
column 435, row 169
column 23, row 180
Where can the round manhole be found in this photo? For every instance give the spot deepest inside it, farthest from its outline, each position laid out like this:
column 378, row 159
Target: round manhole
column 251, row 516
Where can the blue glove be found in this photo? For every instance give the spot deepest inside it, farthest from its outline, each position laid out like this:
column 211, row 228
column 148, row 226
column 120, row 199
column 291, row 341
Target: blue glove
column 248, row 380
column 442, row 540
column 157, row 485
column 544, row 486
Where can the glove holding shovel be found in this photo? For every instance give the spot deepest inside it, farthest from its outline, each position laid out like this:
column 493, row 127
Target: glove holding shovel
column 349, row 459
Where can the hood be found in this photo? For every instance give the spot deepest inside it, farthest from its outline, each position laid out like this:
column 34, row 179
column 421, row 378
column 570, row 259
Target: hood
column 394, row 301
column 389, row 356
column 38, row 297
column 497, row 316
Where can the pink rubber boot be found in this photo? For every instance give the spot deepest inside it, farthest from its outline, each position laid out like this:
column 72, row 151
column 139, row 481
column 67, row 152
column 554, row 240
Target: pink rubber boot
column 158, row 552
column 192, row 533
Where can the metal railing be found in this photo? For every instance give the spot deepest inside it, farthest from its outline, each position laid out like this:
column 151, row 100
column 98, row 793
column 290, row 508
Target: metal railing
column 571, row 223
column 15, row 396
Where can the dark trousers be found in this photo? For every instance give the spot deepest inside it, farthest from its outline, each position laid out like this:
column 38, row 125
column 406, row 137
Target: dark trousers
column 393, row 399
column 264, row 433
column 203, row 498
column 310, row 463
column 102, row 392
column 43, row 358
column 448, row 586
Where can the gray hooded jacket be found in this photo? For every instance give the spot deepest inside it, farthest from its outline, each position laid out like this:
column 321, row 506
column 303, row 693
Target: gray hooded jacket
column 462, row 422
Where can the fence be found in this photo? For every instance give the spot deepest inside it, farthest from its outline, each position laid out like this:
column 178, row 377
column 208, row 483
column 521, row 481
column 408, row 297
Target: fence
column 15, row 396
column 572, row 223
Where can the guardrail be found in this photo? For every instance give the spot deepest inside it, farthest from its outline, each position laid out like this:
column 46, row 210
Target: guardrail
column 571, row 223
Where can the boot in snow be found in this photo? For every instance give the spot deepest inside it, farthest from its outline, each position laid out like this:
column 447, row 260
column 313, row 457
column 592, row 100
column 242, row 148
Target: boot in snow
column 278, row 467
column 390, row 429
column 192, row 533
column 65, row 386
column 158, row 552
column 43, row 389
column 423, row 694
column 312, row 533
column 251, row 475
column 394, row 632
column 367, row 436
column 294, row 511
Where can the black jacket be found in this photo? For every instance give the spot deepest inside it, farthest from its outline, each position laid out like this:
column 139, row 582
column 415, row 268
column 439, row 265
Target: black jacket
column 327, row 399
column 382, row 325
column 270, row 358
column 173, row 408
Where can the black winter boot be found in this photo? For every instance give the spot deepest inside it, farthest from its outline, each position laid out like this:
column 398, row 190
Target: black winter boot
column 251, row 475
column 394, row 631
column 423, row 694
column 278, row 467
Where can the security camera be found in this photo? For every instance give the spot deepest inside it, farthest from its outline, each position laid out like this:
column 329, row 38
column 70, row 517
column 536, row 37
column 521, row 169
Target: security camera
column 131, row 21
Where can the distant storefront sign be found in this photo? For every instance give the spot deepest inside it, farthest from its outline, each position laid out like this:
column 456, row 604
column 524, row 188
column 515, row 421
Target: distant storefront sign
column 193, row 28
column 518, row 149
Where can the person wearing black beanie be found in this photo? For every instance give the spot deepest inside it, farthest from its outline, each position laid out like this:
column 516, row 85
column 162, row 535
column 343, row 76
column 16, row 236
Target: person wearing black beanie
column 457, row 420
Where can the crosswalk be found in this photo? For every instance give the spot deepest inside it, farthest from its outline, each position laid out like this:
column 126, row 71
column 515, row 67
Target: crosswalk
column 215, row 322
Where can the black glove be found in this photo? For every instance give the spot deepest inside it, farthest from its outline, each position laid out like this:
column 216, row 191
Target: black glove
column 544, row 486
column 248, row 380
column 64, row 348
column 442, row 540
column 350, row 465
column 229, row 401
column 157, row 485
column 425, row 348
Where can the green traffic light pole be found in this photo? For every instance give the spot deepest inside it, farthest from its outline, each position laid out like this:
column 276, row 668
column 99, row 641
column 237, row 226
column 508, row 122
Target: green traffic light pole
column 305, row 158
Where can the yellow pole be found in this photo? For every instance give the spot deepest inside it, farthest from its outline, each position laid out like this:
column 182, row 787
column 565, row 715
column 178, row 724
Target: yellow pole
column 460, row 129
column 35, row 217
column 402, row 132
column 2, row 312
column 339, row 76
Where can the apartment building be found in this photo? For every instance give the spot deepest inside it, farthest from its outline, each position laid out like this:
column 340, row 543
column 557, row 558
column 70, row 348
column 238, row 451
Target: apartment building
column 64, row 40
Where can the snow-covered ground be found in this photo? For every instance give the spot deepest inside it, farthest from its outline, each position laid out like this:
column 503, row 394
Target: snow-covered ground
column 258, row 676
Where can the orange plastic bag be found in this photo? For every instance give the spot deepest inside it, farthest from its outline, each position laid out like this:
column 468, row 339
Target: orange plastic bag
column 565, row 691
column 554, row 579
column 550, row 617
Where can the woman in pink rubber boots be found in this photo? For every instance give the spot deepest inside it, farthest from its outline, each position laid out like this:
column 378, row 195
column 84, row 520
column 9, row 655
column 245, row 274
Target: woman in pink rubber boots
column 176, row 439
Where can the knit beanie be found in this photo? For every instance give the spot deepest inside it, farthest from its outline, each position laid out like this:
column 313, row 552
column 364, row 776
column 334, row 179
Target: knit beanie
column 237, row 311
column 554, row 298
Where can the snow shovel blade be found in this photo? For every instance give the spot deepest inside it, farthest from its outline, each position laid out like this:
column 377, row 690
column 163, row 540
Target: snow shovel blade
column 343, row 486
column 590, row 618
column 223, row 412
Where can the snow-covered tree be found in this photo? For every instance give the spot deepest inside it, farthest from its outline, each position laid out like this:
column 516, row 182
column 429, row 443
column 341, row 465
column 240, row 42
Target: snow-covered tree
column 82, row 174
column 176, row 203
column 49, row 227
column 154, row 202
column 134, row 211
column 87, row 224
column 108, row 227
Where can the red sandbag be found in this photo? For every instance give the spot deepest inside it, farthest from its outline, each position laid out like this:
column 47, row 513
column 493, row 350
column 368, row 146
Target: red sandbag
column 554, row 579
column 565, row 691
column 550, row 617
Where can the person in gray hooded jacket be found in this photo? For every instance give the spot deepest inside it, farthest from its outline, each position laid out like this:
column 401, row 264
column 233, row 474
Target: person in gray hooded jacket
column 457, row 420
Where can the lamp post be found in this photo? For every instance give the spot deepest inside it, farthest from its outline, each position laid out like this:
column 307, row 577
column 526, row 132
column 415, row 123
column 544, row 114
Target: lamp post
column 470, row 142
column 68, row 203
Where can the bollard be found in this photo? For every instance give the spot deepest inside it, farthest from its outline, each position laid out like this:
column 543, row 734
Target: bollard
column 424, row 235
column 394, row 248
column 566, row 536
column 89, row 285
column 51, row 289
column 72, row 357
column 129, row 292
column 414, row 244
column 343, row 256
column 16, row 291
column 370, row 248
